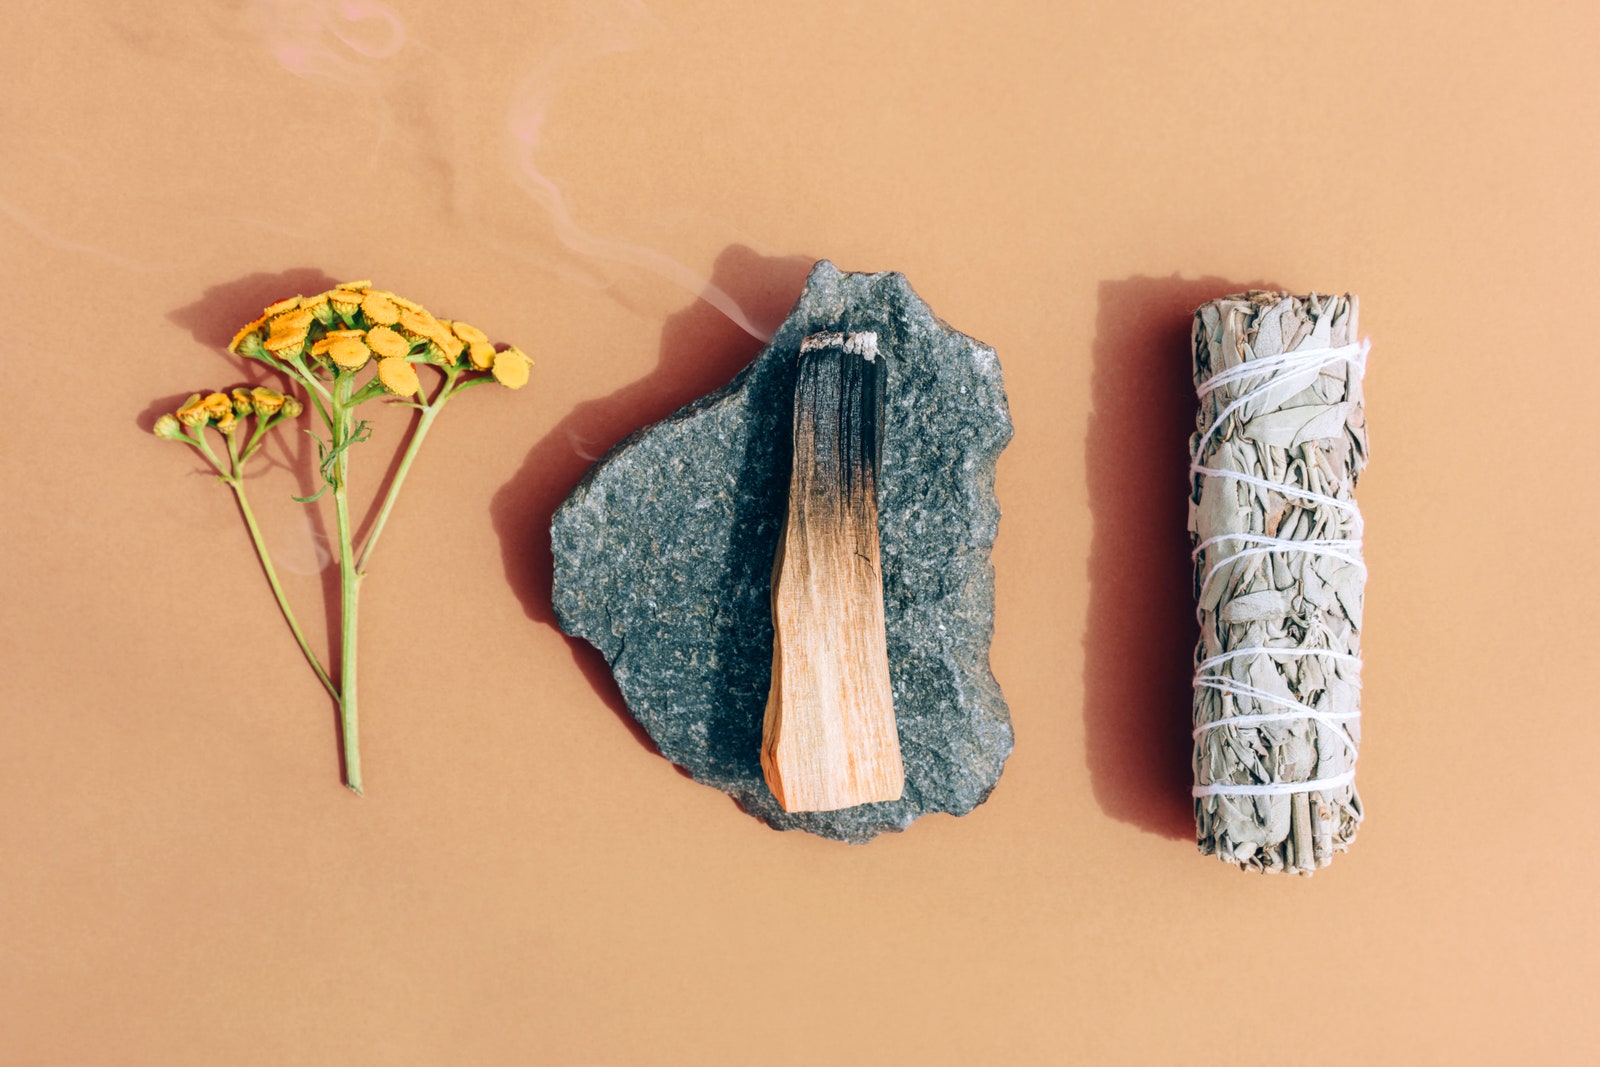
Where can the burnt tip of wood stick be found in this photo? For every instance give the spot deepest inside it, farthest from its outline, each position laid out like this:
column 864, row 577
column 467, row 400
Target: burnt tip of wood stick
column 838, row 419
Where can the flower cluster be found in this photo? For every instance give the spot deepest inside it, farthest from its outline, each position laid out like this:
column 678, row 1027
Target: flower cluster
column 224, row 410
column 350, row 325
column 324, row 343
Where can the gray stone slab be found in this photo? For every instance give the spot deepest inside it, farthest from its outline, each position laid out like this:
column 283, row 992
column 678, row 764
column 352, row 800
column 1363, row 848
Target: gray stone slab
column 664, row 552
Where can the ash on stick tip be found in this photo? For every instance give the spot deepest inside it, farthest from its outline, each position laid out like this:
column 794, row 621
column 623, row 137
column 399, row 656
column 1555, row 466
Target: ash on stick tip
column 863, row 343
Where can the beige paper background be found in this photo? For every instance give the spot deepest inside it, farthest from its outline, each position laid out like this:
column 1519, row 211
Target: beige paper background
column 183, row 880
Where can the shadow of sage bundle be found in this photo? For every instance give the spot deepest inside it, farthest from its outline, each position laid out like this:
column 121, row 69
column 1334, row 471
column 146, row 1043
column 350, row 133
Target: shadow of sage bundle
column 1278, row 576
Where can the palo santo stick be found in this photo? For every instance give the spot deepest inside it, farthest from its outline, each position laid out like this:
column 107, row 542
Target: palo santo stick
column 829, row 740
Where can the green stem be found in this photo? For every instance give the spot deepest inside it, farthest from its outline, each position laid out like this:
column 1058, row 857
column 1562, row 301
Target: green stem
column 237, row 485
column 262, row 425
column 349, row 587
column 429, row 413
column 313, row 385
column 327, row 420
column 199, row 441
column 233, row 475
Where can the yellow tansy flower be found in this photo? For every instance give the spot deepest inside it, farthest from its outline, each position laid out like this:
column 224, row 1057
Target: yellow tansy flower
column 168, row 428
column 285, row 340
column 350, row 353
column 344, row 301
column 243, row 402
column 511, row 368
column 282, row 305
column 219, row 407
column 387, row 343
column 398, row 376
column 470, row 334
column 445, row 346
column 482, row 354
column 267, row 401
column 419, row 324
column 233, row 345
column 298, row 319
column 327, row 340
column 379, row 309
column 364, row 283
column 448, row 345
column 193, row 411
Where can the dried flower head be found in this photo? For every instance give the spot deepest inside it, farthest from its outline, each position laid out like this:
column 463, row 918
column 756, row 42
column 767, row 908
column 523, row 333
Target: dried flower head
column 345, row 300
column 511, row 368
column 282, row 341
column 246, row 332
column 298, row 319
column 379, row 309
column 349, row 352
column 446, row 348
column 419, row 324
column 385, row 342
column 219, row 409
column 398, row 377
column 325, row 342
column 321, row 309
column 193, row 412
column 267, row 401
column 218, row 405
column 292, row 407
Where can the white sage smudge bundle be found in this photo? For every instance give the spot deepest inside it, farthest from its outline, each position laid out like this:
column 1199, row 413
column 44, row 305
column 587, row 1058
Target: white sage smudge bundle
column 1278, row 578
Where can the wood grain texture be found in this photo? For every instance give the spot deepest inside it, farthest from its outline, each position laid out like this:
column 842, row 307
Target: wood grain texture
column 829, row 738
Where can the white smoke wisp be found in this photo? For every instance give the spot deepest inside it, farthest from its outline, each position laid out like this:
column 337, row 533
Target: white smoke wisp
column 600, row 34
column 340, row 40
column 306, row 36
column 51, row 240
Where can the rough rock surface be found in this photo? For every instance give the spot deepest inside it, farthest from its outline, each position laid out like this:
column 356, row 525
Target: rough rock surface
column 664, row 554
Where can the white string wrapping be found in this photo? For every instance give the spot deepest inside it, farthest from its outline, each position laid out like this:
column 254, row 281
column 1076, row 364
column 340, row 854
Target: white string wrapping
column 1272, row 372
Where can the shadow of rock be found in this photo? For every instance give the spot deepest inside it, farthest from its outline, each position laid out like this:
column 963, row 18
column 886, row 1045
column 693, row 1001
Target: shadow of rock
column 700, row 350
column 1139, row 648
